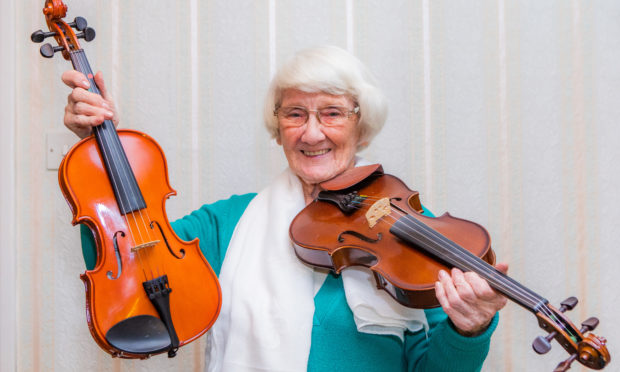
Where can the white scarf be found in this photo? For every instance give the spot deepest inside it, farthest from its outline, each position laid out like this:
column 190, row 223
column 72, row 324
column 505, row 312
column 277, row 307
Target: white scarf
column 265, row 323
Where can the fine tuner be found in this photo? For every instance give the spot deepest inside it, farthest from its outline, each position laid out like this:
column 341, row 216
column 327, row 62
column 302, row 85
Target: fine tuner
column 47, row 50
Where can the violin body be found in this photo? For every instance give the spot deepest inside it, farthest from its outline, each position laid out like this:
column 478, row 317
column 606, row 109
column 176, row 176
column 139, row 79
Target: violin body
column 195, row 299
column 406, row 274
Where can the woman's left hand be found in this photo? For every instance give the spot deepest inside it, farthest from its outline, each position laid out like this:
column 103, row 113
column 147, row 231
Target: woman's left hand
column 468, row 300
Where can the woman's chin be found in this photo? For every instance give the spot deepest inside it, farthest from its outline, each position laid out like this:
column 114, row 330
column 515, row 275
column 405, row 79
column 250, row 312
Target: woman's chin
column 316, row 175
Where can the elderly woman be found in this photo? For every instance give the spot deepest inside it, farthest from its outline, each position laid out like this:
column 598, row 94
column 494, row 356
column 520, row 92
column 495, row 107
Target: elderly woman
column 277, row 313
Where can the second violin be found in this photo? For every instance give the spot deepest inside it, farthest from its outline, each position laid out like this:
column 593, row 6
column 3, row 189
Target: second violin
column 149, row 292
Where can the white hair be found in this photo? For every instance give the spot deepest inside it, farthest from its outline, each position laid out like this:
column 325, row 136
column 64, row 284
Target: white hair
column 331, row 70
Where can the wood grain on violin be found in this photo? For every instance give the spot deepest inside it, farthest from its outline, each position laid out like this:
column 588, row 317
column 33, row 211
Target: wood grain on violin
column 150, row 292
column 368, row 218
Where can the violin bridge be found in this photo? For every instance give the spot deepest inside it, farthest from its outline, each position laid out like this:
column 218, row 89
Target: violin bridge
column 145, row 245
column 379, row 209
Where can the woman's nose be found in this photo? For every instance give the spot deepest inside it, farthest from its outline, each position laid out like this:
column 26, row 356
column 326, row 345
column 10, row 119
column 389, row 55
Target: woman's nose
column 314, row 131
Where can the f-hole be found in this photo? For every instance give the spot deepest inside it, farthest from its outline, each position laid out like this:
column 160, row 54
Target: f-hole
column 117, row 252
column 359, row 236
column 182, row 251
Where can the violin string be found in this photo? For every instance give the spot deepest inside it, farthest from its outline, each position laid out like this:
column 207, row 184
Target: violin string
column 522, row 294
column 142, row 251
column 481, row 266
column 82, row 68
column 122, row 201
column 139, row 255
column 125, row 173
column 156, row 247
column 115, row 154
column 464, row 265
column 110, row 141
column 504, row 282
column 125, row 178
column 477, row 265
column 157, row 259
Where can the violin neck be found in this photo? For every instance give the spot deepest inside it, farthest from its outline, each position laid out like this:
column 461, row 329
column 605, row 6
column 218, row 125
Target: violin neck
column 122, row 179
column 422, row 236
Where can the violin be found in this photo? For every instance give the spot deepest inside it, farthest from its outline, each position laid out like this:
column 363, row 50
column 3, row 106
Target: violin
column 367, row 218
column 150, row 292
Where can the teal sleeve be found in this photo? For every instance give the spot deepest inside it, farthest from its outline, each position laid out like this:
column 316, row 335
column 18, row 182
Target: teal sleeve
column 213, row 224
column 444, row 349
column 426, row 212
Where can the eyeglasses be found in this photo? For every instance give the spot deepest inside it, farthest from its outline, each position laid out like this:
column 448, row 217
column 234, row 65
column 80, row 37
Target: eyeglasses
column 297, row 116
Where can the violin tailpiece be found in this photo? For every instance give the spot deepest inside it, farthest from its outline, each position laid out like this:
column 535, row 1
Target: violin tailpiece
column 158, row 291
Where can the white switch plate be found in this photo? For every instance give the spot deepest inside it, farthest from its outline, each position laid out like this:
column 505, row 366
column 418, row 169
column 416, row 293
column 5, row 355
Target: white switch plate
column 58, row 144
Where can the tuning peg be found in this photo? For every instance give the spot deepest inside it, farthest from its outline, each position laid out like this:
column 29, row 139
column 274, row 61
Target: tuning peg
column 79, row 23
column 541, row 344
column 589, row 324
column 88, row 34
column 47, row 50
column 568, row 304
column 38, row 36
column 565, row 365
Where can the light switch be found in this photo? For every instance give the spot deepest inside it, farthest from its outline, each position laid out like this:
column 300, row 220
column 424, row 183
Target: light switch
column 58, row 145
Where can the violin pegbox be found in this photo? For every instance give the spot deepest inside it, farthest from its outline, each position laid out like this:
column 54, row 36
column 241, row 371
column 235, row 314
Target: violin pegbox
column 66, row 38
column 587, row 349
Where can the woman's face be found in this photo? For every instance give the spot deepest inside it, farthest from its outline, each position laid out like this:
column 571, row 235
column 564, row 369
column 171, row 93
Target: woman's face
column 316, row 152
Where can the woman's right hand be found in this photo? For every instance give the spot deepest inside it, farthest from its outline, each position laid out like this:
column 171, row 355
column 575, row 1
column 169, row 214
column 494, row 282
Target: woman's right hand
column 85, row 109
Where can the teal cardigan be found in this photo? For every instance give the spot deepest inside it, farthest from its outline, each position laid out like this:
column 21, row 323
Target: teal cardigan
column 336, row 344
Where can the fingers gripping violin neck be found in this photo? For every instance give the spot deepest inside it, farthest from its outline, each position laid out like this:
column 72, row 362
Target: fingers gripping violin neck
column 367, row 218
column 149, row 292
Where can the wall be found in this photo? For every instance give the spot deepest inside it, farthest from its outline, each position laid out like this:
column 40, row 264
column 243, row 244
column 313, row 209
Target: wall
column 500, row 112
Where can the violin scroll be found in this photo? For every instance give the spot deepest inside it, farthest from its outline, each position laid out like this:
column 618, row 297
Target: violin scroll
column 588, row 349
column 66, row 38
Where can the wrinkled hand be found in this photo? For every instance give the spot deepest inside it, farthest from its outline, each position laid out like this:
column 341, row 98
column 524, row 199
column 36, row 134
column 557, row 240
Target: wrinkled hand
column 468, row 300
column 86, row 109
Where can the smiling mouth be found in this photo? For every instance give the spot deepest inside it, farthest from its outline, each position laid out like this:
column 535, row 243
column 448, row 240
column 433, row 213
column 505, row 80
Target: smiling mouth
column 315, row 153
